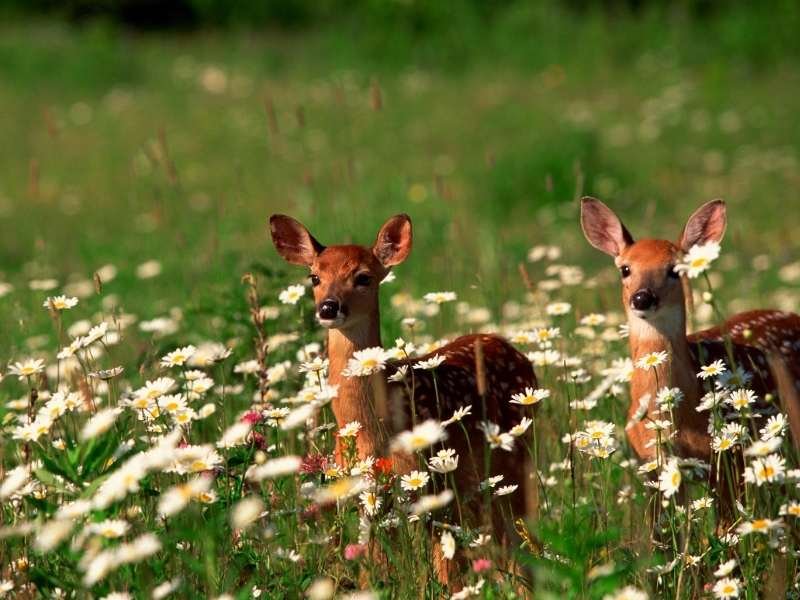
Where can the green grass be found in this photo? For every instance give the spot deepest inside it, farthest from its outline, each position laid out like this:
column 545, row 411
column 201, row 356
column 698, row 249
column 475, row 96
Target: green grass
column 122, row 148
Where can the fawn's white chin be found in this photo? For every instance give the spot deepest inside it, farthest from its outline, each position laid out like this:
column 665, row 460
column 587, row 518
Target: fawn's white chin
column 331, row 323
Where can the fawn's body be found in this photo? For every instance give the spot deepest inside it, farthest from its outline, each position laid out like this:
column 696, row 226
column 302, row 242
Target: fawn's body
column 764, row 343
column 345, row 280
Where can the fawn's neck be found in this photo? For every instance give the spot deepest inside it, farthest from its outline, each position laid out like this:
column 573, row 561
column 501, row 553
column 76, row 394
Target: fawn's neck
column 356, row 400
column 678, row 371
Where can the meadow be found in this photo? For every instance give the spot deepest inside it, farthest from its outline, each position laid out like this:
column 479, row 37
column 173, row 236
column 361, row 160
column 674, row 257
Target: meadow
column 152, row 440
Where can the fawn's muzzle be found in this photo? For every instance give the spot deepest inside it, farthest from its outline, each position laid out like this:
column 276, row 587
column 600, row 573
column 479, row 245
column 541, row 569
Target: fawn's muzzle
column 644, row 299
column 328, row 309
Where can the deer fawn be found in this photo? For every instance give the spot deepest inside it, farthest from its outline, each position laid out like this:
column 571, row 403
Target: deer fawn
column 345, row 280
column 764, row 343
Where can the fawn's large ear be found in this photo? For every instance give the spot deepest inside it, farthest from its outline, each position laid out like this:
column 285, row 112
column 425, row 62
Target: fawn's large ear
column 292, row 240
column 707, row 224
column 393, row 243
column 603, row 228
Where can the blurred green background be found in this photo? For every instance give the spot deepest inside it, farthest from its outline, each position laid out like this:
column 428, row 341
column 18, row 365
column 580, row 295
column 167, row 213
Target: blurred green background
column 139, row 130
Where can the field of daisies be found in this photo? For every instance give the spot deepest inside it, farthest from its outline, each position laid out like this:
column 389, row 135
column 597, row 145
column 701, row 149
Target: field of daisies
column 166, row 428
column 208, row 470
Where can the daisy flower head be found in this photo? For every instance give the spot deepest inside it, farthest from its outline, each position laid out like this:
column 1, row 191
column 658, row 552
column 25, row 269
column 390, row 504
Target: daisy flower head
column 505, row 490
column 366, row 362
column 627, row 593
column 420, row 437
column 370, row 502
column 557, row 309
column 414, row 480
column 775, row 427
column 178, row 357
column 713, row 370
column 651, row 360
column 439, row 297
column 770, row 469
column 350, row 430
column 430, row 363
column 445, row 461
column 60, row 303
column 763, row 526
column 727, row 587
column 26, row 368
column 669, row 481
column 458, row 415
column 740, row 399
column 448, row 543
column 292, row 294
column 521, row 427
column 698, row 259
column 530, row 396
column 495, row 438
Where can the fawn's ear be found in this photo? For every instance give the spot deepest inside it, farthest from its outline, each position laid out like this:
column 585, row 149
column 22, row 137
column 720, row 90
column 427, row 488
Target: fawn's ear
column 292, row 240
column 393, row 243
column 707, row 224
column 603, row 228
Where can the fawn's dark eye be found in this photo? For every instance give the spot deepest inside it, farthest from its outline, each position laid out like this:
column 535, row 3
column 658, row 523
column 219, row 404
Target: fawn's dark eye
column 625, row 270
column 314, row 279
column 672, row 273
column 362, row 280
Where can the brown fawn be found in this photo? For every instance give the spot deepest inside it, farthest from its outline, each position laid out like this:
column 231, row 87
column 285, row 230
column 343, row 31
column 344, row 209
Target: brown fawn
column 479, row 371
column 765, row 343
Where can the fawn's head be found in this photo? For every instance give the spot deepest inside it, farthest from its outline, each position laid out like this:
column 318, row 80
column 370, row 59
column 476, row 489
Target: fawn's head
column 651, row 289
column 345, row 278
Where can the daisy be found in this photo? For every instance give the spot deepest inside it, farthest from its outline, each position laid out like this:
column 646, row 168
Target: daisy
column 627, row 593
column 651, row 360
column 95, row 333
column 316, row 365
column 27, row 368
column 439, row 297
column 505, row 490
column 448, row 544
column 714, row 369
column 741, row 399
column 725, row 568
column 495, row 438
column 727, row 588
column 764, row 447
column 274, row 468
column 414, row 480
column 430, row 503
column 530, row 396
column 370, row 502
column 445, row 461
column 698, row 259
column 459, row 414
column 759, row 526
column 593, row 319
column 670, row 478
column 399, row 374
column 521, row 427
column 422, row 436
column 366, row 362
column 178, row 357
column 292, row 294
column 430, row 363
column 350, row 430
column 791, row 509
column 556, row 309
column 701, row 503
column 775, row 427
column 770, row 469
column 99, row 423
column 110, row 528
column 59, row 303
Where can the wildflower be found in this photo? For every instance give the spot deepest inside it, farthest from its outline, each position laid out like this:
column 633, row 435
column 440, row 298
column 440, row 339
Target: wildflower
column 668, row 398
column 593, row 319
column 414, row 480
column 725, row 568
column 323, row 588
column 445, row 461
column 505, row 490
column 759, row 526
column 698, row 259
column 715, row 368
column 350, row 430
column 170, row 403
column 521, row 427
column 741, row 399
column 764, row 447
column 371, row 502
column 235, row 435
column 175, row 499
column 27, row 368
column 726, row 588
column 439, row 297
column 422, row 436
column 341, row 489
column 365, row 362
column 701, row 503
column 100, row 423
column 670, row 478
column 430, row 363
column 556, row 309
column 545, row 336
column 627, row 593
column 479, row 565
column 495, row 438
column 110, row 528
column 770, row 469
column 530, row 396
column 791, row 509
column 448, row 543
column 491, row 482
column 15, row 479
column 52, row 533
column 95, row 333
column 246, row 511
column 315, row 365
column 457, row 415
column 775, row 427
column 178, row 357
column 292, row 294
column 430, row 503
column 60, row 303
column 399, row 374
column 652, row 360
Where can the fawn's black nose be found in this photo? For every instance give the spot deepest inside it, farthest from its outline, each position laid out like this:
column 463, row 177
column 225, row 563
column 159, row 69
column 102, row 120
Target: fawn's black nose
column 328, row 309
column 644, row 299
